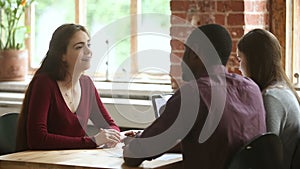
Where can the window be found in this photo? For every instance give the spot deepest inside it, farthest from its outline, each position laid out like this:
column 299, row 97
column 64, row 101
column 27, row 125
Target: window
column 128, row 51
column 108, row 36
column 293, row 41
column 48, row 16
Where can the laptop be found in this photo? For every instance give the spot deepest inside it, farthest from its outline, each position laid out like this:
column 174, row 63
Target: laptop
column 158, row 102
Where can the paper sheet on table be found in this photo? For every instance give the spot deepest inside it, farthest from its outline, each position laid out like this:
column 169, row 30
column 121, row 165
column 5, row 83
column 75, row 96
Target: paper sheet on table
column 165, row 159
column 116, row 151
column 169, row 156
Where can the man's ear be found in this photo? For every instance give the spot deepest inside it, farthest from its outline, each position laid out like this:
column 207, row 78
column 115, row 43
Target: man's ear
column 195, row 52
column 195, row 56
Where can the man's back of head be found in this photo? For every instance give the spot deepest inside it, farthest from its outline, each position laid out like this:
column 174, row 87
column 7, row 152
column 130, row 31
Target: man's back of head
column 218, row 37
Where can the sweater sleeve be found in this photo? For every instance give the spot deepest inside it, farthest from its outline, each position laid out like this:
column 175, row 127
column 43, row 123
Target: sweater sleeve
column 38, row 136
column 99, row 114
column 105, row 113
column 275, row 114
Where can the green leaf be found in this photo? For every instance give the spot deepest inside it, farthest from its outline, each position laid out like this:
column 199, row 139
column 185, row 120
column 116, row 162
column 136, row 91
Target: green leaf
column 12, row 12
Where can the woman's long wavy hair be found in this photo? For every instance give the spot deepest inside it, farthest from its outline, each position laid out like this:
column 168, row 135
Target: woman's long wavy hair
column 263, row 54
column 52, row 65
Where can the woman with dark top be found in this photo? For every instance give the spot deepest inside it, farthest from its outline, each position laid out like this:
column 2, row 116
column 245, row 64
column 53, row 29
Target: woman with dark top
column 60, row 99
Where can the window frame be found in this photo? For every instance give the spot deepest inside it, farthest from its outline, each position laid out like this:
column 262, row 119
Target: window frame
column 80, row 11
column 80, row 18
column 292, row 40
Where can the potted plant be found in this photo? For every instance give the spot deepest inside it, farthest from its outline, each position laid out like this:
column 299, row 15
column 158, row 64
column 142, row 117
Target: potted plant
column 13, row 55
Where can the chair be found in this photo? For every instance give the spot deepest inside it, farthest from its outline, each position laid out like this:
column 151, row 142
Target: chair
column 296, row 157
column 262, row 152
column 8, row 132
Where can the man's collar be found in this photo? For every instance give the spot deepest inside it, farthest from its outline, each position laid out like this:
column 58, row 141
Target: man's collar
column 214, row 70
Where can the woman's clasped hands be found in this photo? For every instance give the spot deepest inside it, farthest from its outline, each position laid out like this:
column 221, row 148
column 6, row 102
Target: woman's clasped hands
column 107, row 137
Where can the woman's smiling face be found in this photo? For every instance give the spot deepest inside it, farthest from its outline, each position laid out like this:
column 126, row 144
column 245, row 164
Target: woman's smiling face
column 78, row 54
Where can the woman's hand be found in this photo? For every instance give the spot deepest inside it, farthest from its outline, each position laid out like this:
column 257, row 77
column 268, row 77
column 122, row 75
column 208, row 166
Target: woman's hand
column 108, row 137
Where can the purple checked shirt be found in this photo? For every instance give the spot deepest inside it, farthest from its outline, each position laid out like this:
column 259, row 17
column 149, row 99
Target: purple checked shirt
column 242, row 118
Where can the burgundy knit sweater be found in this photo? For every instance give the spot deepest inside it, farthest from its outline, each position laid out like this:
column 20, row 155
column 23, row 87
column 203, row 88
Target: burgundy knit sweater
column 50, row 123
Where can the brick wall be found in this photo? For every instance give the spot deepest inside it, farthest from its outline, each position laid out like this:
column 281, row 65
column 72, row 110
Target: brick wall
column 238, row 16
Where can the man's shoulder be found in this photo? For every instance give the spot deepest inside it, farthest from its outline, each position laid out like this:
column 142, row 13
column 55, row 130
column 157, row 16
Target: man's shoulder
column 239, row 80
column 229, row 80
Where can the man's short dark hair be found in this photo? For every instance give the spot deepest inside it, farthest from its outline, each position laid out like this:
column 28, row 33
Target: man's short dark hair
column 219, row 38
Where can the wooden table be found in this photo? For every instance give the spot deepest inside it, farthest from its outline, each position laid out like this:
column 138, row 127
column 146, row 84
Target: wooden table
column 81, row 159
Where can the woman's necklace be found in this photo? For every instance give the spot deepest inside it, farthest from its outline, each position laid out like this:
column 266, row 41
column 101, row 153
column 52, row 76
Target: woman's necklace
column 71, row 93
column 68, row 95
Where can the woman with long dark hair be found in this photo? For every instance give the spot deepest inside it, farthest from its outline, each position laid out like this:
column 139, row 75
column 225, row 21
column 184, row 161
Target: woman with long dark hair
column 260, row 55
column 60, row 99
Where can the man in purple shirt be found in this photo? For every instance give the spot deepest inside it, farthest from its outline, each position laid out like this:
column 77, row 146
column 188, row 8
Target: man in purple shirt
column 211, row 116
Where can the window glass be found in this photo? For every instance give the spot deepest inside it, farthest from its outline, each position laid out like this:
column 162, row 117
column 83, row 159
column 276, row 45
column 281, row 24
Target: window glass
column 110, row 30
column 108, row 35
column 154, row 39
column 112, row 40
column 48, row 16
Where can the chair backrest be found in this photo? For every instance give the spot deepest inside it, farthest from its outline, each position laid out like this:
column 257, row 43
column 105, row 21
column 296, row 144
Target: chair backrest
column 296, row 157
column 262, row 152
column 8, row 132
